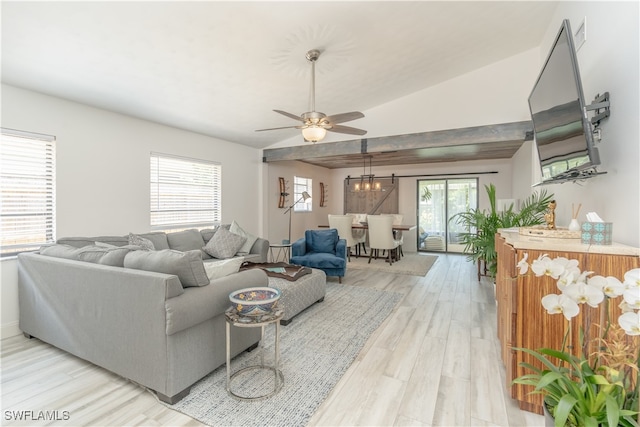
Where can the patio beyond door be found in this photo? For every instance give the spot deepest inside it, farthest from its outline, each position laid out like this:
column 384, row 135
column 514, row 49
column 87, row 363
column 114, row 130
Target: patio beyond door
column 438, row 201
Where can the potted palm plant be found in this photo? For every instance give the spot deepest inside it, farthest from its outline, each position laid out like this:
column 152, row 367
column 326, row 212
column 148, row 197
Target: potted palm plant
column 597, row 389
column 482, row 225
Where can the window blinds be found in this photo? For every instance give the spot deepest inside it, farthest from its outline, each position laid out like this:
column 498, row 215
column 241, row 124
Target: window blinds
column 27, row 191
column 184, row 192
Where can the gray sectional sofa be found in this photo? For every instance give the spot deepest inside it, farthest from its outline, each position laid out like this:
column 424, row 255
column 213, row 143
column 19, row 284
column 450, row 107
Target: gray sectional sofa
column 161, row 330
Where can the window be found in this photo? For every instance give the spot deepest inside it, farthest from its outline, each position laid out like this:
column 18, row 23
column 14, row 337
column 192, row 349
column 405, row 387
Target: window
column 299, row 185
column 184, row 192
column 28, row 191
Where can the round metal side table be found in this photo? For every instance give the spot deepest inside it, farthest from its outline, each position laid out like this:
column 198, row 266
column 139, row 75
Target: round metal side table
column 236, row 319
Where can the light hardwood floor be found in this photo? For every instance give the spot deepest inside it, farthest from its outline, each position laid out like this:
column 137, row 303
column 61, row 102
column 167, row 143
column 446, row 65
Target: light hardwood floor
column 433, row 362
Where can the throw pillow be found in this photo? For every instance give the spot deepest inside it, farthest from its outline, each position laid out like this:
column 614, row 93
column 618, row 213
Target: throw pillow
column 60, row 251
column 186, row 265
column 224, row 244
column 251, row 239
column 145, row 244
column 222, row 268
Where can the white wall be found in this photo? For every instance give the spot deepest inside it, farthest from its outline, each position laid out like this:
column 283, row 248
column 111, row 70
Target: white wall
column 103, row 172
column 608, row 61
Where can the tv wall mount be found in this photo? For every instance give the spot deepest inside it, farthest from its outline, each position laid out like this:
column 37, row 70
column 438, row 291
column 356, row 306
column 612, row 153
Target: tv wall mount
column 601, row 106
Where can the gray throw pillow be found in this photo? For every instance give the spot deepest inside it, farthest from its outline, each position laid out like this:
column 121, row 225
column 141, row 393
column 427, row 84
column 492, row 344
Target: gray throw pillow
column 251, row 239
column 144, row 243
column 186, row 265
column 224, row 244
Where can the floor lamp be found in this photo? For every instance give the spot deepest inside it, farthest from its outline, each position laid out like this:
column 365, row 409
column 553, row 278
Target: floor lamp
column 305, row 196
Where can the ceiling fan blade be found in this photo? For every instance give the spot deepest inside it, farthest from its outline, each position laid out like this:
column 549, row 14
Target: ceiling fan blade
column 347, row 129
column 345, row 117
column 285, row 127
column 291, row 116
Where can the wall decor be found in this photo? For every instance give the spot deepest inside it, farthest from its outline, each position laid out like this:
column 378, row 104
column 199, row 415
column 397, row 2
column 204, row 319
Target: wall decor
column 324, row 192
column 282, row 199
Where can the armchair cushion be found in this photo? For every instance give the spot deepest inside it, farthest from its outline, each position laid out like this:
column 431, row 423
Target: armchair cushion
column 321, row 240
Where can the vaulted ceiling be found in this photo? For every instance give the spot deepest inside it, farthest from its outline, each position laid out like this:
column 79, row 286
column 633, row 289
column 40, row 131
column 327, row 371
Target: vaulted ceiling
column 220, row 68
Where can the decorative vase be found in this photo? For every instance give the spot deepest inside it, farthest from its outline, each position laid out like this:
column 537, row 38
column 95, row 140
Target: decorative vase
column 574, row 225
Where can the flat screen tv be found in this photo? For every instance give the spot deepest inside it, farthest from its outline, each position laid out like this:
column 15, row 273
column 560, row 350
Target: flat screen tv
column 562, row 130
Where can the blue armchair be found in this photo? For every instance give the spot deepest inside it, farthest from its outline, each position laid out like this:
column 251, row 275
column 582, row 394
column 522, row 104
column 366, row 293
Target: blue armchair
column 321, row 249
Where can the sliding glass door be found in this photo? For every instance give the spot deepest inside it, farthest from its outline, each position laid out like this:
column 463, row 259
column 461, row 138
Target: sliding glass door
column 438, row 201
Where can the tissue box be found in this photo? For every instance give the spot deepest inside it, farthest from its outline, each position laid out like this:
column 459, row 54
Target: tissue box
column 597, row 233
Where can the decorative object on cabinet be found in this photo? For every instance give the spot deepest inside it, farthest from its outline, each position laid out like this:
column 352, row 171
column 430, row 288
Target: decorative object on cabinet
column 524, row 323
column 323, row 195
column 282, row 199
column 574, row 225
column 482, row 225
column 550, row 215
column 597, row 233
column 543, row 231
column 593, row 381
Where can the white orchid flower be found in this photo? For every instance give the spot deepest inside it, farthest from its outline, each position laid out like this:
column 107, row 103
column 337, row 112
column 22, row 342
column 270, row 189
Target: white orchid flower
column 584, row 294
column 555, row 304
column 523, row 265
column 624, row 307
column 630, row 322
column 632, row 297
column 545, row 266
column 632, row 278
column 568, row 264
column 566, row 278
column 611, row 286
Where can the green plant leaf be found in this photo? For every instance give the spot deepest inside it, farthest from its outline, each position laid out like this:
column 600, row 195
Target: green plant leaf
column 563, row 409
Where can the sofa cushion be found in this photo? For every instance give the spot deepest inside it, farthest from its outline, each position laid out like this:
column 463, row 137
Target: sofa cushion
column 78, row 242
column 186, row 265
column 219, row 268
column 224, row 244
column 143, row 243
column 158, row 238
column 187, row 240
column 251, row 239
column 60, row 251
column 113, row 256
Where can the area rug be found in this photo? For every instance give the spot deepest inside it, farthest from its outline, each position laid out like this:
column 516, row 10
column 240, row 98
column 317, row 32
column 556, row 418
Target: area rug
column 316, row 349
column 413, row 264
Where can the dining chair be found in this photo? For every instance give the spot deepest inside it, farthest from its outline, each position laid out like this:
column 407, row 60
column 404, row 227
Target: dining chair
column 397, row 234
column 342, row 223
column 381, row 237
column 359, row 235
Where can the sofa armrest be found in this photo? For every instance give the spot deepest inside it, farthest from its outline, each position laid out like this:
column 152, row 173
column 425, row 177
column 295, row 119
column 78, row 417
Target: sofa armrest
column 198, row 304
column 299, row 247
column 341, row 248
column 260, row 247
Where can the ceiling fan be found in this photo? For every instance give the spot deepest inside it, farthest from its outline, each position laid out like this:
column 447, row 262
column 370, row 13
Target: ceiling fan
column 314, row 123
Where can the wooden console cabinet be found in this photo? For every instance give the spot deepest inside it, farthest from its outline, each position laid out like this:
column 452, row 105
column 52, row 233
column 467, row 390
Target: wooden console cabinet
column 522, row 320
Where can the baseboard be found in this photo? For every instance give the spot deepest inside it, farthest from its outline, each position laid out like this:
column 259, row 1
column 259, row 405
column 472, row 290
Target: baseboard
column 9, row 330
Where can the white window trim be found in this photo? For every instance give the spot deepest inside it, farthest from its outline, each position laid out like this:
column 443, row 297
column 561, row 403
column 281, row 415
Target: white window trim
column 198, row 209
column 33, row 212
column 301, row 184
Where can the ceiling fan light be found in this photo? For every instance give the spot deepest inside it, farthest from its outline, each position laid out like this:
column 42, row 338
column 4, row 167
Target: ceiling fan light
column 314, row 133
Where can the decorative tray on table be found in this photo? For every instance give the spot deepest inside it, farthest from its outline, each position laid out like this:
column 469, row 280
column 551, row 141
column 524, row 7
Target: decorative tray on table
column 542, row 231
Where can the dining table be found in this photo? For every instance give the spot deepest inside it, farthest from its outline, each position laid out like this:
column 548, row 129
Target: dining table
column 364, row 226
